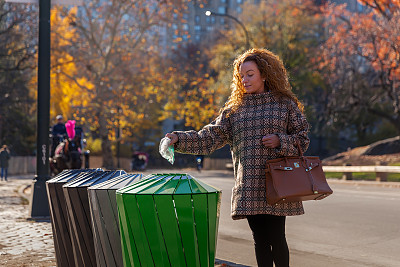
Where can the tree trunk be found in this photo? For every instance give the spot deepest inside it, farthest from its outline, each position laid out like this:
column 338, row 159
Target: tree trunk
column 397, row 124
column 108, row 161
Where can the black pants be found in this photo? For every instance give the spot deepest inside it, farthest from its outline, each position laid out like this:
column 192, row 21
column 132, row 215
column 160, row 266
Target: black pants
column 269, row 240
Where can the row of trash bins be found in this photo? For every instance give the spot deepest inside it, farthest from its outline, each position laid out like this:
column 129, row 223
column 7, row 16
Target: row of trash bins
column 114, row 218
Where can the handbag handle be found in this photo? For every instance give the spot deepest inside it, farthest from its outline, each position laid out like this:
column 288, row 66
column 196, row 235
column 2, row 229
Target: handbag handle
column 299, row 148
column 301, row 154
column 307, row 166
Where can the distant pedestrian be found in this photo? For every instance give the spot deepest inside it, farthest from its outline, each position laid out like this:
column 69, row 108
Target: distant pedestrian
column 4, row 157
column 59, row 133
column 262, row 120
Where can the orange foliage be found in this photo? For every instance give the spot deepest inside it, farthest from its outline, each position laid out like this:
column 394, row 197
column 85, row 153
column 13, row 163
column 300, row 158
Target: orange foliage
column 183, row 87
column 117, row 57
column 370, row 35
column 361, row 60
column 65, row 83
column 382, row 6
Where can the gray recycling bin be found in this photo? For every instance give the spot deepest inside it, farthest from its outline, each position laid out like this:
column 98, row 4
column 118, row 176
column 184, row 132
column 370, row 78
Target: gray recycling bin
column 104, row 214
column 59, row 216
column 79, row 221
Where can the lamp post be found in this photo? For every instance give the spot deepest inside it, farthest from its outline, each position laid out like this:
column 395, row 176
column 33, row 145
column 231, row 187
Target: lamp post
column 39, row 206
column 209, row 13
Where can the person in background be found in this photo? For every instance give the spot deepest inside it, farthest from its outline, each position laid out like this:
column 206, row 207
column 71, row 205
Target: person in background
column 4, row 157
column 199, row 162
column 59, row 133
column 262, row 120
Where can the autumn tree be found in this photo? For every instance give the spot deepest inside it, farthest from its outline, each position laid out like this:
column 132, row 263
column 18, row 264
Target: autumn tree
column 360, row 59
column 291, row 29
column 188, row 81
column 17, row 50
column 114, row 38
column 65, row 93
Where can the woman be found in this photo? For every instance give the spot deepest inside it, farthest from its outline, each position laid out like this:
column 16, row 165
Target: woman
column 262, row 120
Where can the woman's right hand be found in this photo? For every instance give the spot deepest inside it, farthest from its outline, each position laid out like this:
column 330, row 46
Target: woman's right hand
column 173, row 137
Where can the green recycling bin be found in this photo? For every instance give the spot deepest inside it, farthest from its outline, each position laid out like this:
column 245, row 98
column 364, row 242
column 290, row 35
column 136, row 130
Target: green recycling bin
column 104, row 214
column 169, row 220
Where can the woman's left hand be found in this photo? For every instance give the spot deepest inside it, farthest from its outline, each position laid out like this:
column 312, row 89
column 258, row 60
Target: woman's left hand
column 271, row 141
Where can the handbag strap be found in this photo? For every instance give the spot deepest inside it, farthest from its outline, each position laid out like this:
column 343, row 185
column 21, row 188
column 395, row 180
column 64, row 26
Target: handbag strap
column 299, row 148
column 308, row 167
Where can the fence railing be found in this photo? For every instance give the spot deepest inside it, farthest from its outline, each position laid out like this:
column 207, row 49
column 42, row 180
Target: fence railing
column 380, row 171
column 22, row 165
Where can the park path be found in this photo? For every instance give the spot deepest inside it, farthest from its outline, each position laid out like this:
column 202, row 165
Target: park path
column 22, row 242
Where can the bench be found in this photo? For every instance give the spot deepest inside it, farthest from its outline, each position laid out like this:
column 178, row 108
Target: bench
column 381, row 171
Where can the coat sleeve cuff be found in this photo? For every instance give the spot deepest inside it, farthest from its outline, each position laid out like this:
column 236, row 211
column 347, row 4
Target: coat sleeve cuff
column 284, row 147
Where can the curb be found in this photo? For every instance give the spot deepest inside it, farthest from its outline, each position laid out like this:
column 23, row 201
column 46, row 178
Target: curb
column 223, row 263
column 21, row 192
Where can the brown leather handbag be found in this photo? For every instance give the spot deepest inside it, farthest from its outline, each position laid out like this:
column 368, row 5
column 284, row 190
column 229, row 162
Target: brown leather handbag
column 296, row 178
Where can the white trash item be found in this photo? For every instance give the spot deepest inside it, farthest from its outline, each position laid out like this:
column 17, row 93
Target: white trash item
column 166, row 150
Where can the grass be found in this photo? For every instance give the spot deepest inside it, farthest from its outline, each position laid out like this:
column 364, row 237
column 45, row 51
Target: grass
column 368, row 176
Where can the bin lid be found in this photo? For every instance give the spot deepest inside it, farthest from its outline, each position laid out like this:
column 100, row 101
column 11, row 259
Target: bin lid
column 70, row 174
column 95, row 178
column 170, row 184
column 118, row 182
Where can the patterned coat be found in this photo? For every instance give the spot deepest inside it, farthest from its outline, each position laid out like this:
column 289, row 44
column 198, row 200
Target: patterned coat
column 260, row 114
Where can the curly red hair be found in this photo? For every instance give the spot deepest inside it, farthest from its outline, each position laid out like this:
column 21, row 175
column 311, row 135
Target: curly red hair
column 271, row 68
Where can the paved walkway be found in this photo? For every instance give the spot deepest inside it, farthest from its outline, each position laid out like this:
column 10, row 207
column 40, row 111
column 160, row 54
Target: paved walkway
column 22, row 242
